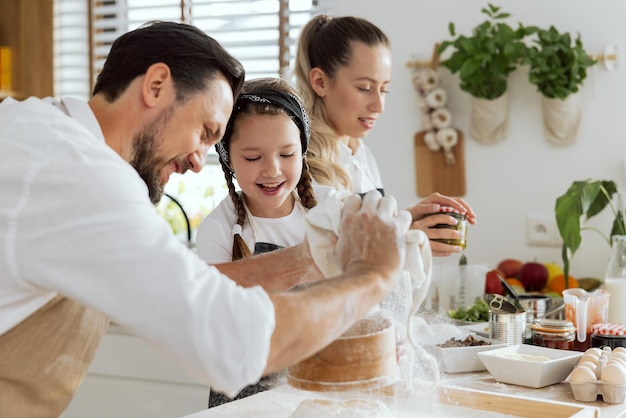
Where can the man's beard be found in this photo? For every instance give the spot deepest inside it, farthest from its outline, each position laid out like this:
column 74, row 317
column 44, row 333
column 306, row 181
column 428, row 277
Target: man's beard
column 145, row 158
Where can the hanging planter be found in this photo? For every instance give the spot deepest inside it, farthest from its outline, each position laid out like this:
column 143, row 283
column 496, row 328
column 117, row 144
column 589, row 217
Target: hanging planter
column 558, row 68
column 561, row 119
column 489, row 119
column 484, row 61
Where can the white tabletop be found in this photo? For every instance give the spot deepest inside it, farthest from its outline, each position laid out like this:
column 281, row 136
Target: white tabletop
column 283, row 400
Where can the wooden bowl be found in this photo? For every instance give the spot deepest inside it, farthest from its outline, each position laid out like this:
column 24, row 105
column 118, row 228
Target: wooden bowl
column 364, row 357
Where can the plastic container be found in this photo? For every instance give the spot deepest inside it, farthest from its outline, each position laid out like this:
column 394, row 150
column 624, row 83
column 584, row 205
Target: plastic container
column 553, row 333
column 585, row 309
column 461, row 226
column 608, row 335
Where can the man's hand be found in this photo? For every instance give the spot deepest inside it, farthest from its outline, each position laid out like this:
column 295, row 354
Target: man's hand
column 372, row 234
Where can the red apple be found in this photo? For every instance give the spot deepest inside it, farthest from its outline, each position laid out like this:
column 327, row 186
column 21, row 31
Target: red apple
column 493, row 285
column 534, row 276
column 510, row 267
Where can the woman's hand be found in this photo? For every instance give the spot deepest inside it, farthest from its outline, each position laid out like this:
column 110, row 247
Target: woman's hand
column 432, row 204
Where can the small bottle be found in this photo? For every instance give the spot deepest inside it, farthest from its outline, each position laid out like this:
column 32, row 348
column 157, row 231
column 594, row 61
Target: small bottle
column 461, row 226
column 553, row 333
column 615, row 280
column 608, row 335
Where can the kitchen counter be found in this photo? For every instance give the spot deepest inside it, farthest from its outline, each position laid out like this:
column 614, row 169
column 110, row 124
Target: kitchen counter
column 283, row 400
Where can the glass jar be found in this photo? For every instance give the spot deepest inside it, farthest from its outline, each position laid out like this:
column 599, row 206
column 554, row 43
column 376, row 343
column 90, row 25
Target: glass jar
column 608, row 335
column 615, row 280
column 460, row 226
column 553, row 333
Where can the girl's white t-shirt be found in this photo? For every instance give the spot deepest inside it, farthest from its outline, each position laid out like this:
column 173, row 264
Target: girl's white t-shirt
column 214, row 239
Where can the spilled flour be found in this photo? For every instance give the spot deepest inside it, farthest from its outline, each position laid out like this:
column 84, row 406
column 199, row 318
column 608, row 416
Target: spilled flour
column 383, row 407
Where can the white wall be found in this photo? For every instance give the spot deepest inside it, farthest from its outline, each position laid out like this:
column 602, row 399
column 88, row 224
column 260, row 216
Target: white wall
column 523, row 174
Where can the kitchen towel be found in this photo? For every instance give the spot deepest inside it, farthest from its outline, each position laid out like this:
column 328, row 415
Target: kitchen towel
column 412, row 282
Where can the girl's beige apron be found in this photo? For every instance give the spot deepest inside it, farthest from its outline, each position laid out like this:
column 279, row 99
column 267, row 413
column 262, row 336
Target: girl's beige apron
column 44, row 359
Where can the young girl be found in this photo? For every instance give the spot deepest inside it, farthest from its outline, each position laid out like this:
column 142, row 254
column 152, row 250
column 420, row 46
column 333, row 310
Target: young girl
column 343, row 71
column 264, row 148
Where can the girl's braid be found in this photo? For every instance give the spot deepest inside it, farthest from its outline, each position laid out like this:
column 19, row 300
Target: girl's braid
column 240, row 249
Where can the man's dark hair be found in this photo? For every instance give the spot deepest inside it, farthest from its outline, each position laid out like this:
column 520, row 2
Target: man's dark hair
column 193, row 57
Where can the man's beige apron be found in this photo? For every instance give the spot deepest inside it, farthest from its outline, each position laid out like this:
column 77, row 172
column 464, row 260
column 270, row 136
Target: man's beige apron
column 44, row 359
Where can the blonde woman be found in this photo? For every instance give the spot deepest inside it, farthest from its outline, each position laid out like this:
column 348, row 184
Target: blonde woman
column 343, row 71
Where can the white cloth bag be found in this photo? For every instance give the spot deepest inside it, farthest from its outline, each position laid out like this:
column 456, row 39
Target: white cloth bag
column 561, row 119
column 489, row 119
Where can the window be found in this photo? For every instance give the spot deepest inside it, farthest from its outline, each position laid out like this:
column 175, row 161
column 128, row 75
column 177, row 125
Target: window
column 262, row 34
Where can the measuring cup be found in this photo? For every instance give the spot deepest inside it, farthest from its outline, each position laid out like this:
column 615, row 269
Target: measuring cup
column 585, row 309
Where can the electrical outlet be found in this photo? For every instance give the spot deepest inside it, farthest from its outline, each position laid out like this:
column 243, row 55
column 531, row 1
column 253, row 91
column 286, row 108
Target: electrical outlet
column 541, row 231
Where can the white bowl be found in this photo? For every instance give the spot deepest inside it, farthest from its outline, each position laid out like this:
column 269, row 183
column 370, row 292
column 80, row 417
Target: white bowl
column 530, row 365
column 458, row 359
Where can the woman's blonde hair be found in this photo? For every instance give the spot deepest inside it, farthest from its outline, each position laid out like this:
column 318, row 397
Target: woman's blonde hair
column 268, row 98
column 327, row 43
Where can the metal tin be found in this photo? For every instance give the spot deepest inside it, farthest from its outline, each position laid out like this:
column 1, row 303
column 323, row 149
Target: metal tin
column 507, row 327
column 608, row 335
column 553, row 333
column 535, row 306
column 461, row 226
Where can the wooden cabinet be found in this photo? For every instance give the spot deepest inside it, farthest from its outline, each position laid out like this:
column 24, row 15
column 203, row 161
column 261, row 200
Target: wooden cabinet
column 26, row 27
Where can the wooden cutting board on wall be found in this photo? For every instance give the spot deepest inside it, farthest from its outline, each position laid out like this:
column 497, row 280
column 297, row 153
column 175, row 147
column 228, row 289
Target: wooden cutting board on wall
column 434, row 174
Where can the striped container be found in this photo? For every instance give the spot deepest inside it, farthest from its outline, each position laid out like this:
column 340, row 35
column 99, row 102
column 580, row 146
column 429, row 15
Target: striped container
column 509, row 328
column 608, row 335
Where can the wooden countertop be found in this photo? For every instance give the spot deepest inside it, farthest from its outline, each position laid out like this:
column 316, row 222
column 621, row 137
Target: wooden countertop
column 479, row 389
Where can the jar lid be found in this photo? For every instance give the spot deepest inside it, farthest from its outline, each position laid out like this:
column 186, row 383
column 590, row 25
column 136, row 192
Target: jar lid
column 449, row 209
column 609, row 329
column 553, row 325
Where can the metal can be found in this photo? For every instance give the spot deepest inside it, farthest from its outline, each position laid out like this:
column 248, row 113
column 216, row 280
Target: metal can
column 608, row 335
column 460, row 226
column 507, row 327
column 553, row 333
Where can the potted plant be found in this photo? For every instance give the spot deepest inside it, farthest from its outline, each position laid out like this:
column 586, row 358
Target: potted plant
column 586, row 198
column 484, row 61
column 558, row 67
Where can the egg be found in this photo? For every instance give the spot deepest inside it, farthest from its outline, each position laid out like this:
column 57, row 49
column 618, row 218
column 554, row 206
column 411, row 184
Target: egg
column 582, row 375
column 591, row 366
column 618, row 355
column 589, row 358
column 614, row 373
column 617, row 360
column 619, row 350
column 594, row 350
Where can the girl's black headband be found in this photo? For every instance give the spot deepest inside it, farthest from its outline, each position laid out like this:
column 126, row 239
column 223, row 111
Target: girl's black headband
column 286, row 101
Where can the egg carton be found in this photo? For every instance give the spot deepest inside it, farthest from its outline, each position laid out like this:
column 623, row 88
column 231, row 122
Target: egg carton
column 589, row 391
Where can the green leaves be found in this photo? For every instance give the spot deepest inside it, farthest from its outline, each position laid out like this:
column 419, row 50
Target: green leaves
column 557, row 67
column 477, row 312
column 587, row 198
column 485, row 59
